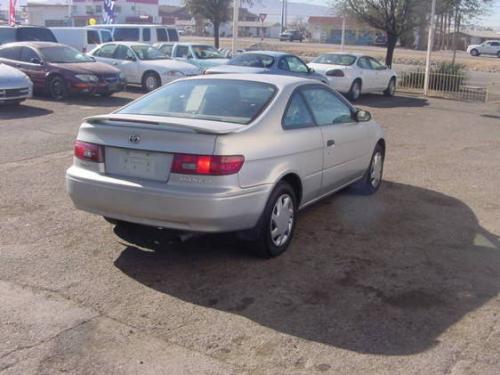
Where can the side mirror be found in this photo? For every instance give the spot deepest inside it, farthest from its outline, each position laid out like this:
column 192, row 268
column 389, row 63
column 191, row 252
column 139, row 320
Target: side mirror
column 92, row 58
column 362, row 116
column 131, row 58
column 36, row 60
column 310, row 70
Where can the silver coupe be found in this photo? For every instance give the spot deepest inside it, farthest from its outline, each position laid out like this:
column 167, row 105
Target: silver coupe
column 221, row 153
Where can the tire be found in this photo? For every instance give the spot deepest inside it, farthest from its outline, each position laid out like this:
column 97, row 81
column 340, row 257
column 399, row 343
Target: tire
column 474, row 52
column 107, row 94
column 498, row 54
column 275, row 232
column 371, row 181
column 58, row 89
column 151, row 81
column 14, row 103
column 355, row 91
column 391, row 87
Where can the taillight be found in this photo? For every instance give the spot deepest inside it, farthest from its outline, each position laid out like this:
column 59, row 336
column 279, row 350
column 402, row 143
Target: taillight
column 89, row 152
column 214, row 165
column 335, row 73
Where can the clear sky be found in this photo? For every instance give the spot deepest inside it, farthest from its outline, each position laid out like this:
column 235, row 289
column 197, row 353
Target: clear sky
column 491, row 19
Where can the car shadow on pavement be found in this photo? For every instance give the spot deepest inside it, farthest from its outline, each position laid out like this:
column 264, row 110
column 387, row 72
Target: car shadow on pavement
column 8, row 112
column 380, row 101
column 385, row 274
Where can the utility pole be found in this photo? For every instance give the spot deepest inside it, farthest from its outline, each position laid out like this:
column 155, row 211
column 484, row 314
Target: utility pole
column 284, row 10
column 430, row 42
column 236, row 15
column 342, row 37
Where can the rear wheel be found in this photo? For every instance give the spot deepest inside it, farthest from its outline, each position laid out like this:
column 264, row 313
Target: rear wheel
column 151, row 81
column 474, row 52
column 391, row 87
column 355, row 91
column 58, row 89
column 277, row 223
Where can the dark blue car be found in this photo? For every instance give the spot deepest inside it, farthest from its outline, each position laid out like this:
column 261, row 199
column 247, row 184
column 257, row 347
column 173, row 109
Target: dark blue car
column 268, row 62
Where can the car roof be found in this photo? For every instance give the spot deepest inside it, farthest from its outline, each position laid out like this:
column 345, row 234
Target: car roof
column 270, row 53
column 33, row 44
column 280, row 81
column 356, row 54
column 131, row 25
column 128, row 44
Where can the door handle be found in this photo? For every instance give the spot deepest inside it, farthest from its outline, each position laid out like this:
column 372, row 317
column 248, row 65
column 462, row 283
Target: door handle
column 330, row 143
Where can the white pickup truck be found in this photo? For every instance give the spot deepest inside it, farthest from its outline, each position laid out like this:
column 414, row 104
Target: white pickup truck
column 489, row 47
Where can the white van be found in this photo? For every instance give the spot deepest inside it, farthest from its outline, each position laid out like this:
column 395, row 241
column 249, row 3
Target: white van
column 82, row 38
column 141, row 33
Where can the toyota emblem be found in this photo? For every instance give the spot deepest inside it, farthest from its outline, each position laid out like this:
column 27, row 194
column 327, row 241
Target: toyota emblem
column 134, row 139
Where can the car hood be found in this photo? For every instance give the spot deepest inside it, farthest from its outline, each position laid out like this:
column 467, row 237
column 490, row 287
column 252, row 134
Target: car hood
column 10, row 75
column 168, row 65
column 473, row 46
column 87, row 68
column 236, row 69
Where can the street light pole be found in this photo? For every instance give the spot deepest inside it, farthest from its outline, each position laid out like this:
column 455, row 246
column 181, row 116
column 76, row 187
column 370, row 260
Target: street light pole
column 342, row 38
column 430, row 43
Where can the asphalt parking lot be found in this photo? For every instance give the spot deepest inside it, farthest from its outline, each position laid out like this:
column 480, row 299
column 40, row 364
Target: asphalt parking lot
column 403, row 282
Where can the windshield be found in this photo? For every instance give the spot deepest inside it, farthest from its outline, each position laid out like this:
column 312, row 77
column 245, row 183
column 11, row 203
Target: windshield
column 216, row 100
column 335, row 59
column 145, row 52
column 64, row 55
column 207, row 52
column 41, row 34
column 255, row 60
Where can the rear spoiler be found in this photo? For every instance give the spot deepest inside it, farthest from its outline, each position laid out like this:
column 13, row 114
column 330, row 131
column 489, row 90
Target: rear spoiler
column 169, row 123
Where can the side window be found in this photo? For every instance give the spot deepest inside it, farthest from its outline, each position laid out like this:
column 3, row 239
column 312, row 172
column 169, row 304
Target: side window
column 173, row 36
column 93, row 37
column 283, row 65
column 11, row 53
column 182, row 51
column 376, row 65
column 495, row 44
column 27, row 54
column 123, row 53
column 296, row 65
column 129, row 34
column 146, row 35
column 363, row 63
column 106, row 51
column 167, row 49
column 161, row 35
column 326, row 107
column 7, row 35
column 106, row 36
column 297, row 115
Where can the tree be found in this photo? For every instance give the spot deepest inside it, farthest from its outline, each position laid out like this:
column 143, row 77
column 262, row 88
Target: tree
column 216, row 11
column 394, row 17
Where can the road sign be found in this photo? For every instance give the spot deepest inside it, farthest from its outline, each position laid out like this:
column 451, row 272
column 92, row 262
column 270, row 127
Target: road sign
column 262, row 17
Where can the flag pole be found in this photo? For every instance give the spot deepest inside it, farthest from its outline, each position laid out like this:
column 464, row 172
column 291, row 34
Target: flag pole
column 236, row 12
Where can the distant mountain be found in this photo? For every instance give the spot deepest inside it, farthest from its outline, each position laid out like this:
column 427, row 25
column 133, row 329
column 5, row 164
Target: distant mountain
column 273, row 9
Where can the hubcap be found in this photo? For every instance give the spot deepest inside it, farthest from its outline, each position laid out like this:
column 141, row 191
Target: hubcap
column 356, row 91
column 57, row 88
column 282, row 220
column 376, row 169
column 151, row 83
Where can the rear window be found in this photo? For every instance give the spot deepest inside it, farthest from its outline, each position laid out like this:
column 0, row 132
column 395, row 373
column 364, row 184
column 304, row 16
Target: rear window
column 231, row 101
column 41, row 34
column 127, row 34
column 254, row 60
column 335, row 59
column 7, row 35
column 172, row 35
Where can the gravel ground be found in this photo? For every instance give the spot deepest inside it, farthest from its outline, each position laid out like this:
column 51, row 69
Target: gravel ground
column 406, row 281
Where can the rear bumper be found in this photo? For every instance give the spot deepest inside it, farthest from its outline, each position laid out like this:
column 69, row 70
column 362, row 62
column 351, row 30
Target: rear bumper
column 168, row 207
column 341, row 84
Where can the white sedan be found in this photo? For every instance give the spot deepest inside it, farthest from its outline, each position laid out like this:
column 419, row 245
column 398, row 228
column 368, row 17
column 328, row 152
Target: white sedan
column 355, row 74
column 15, row 86
column 143, row 64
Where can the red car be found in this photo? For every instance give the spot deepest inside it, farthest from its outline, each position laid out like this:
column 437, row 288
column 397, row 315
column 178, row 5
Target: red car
column 61, row 70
